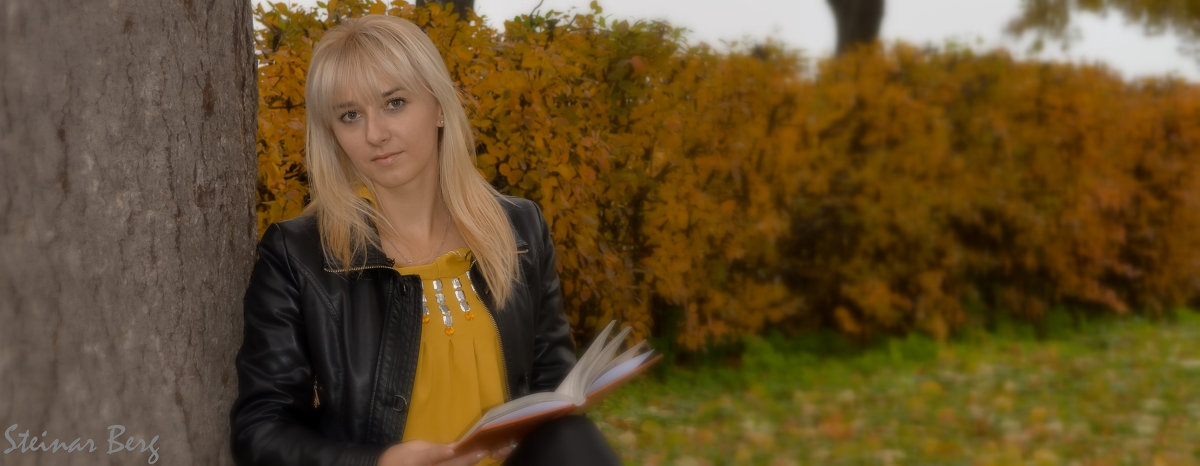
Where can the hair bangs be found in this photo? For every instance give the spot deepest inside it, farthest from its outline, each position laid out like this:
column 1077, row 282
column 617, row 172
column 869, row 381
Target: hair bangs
column 358, row 67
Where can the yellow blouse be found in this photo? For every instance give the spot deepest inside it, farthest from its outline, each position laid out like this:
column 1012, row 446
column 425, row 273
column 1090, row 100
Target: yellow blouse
column 460, row 370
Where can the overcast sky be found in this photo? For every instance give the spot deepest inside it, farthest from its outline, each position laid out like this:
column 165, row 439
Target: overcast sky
column 808, row 25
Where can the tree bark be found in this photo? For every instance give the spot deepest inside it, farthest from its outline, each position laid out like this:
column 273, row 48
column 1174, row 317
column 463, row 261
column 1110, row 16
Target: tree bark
column 857, row 21
column 126, row 195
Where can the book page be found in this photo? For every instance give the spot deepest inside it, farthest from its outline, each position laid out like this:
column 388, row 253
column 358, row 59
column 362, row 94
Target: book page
column 513, row 424
column 525, row 405
column 596, row 366
column 585, row 368
column 619, row 371
column 625, row 356
column 535, row 408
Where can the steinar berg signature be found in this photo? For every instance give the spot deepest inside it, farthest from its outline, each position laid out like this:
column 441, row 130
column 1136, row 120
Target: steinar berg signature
column 117, row 443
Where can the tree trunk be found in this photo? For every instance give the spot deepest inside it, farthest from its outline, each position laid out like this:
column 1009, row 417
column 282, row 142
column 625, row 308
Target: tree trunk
column 459, row 6
column 858, row 22
column 126, row 204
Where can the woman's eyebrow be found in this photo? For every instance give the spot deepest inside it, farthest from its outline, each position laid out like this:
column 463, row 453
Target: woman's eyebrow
column 382, row 94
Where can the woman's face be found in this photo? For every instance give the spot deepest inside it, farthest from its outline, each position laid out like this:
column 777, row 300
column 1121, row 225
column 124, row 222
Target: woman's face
column 391, row 137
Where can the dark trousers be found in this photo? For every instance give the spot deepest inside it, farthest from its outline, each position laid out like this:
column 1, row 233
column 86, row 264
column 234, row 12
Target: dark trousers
column 572, row 440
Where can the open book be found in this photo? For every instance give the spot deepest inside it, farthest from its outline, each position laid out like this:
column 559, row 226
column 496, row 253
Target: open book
column 598, row 372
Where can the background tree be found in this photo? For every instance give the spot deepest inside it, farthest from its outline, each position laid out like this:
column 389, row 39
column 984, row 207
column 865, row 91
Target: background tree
column 857, row 21
column 1050, row 19
column 459, row 5
column 126, row 205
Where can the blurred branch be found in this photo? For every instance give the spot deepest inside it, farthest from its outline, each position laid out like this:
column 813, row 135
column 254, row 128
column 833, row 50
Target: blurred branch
column 1050, row 20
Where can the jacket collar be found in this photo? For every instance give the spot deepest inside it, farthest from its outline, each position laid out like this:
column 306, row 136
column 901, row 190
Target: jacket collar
column 376, row 258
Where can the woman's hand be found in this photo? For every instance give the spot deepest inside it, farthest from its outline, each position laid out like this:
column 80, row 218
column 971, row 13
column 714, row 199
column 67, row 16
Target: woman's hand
column 415, row 453
column 422, row 453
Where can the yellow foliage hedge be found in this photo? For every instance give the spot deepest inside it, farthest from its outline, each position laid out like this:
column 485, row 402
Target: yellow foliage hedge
column 705, row 196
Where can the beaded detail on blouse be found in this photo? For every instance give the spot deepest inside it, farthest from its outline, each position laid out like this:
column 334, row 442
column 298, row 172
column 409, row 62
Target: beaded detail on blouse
column 460, row 370
column 459, row 294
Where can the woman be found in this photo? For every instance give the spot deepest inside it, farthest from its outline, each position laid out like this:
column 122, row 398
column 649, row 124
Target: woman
column 412, row 296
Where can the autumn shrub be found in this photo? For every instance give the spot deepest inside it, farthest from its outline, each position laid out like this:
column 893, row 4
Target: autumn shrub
column 1021, row 185
column 708, row 195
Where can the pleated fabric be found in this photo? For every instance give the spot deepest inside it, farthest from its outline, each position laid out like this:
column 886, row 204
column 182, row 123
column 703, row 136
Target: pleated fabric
column 460, row 369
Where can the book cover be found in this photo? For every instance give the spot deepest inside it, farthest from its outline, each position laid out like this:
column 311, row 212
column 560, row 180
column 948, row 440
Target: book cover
column 597, row 373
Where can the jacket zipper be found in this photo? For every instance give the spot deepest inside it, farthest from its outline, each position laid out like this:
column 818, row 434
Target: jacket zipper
column 359, row 269
column 503, row 362
column 499, row 338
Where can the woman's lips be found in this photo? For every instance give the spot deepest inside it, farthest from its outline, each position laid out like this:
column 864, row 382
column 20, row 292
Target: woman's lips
column 386, row 159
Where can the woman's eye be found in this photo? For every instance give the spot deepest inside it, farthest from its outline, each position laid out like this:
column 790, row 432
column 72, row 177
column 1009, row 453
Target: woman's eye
column 395, row 104
column 348, row 117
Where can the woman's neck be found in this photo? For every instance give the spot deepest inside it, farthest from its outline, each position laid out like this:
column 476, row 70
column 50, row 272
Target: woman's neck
column 419, row 228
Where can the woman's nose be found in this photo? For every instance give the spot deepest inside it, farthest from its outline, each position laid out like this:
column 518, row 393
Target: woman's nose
column 377, row 131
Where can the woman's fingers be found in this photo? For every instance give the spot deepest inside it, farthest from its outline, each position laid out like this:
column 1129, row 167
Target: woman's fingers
column 503, row 452
column 416, row 452
column 432, row 454
column 469, row 458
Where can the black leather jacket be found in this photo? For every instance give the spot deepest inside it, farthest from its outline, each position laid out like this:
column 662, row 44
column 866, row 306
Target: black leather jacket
column 352, row 338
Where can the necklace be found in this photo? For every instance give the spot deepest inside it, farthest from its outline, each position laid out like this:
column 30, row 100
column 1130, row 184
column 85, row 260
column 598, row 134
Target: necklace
column 436, row 251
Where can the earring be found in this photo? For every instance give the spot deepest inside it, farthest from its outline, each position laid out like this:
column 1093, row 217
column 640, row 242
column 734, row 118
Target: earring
column 441, row 123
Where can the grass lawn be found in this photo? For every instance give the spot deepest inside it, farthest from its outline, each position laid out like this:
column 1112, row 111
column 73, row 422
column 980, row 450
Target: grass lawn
column 1120, row 392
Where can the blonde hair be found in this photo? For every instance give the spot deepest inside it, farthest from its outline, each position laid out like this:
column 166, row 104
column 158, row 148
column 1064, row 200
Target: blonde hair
column 355, row 54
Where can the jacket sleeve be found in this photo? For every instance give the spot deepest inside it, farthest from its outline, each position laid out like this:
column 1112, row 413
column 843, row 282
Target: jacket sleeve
column 553, row 350
column 272, row 422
